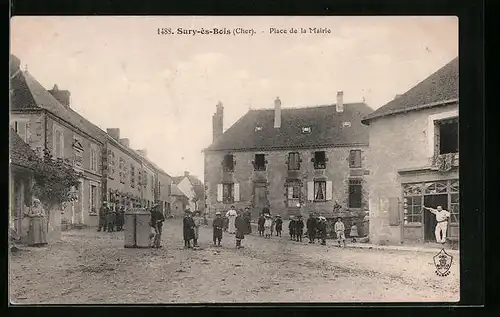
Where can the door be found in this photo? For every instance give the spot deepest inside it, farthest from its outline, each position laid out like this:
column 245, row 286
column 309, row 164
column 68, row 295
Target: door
column 430, row 222
column 260, row 200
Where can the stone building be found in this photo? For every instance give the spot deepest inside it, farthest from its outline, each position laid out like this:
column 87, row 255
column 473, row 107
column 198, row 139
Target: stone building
column 293, row 160
column 413, row 160
column 193, row 189
column 44, row 119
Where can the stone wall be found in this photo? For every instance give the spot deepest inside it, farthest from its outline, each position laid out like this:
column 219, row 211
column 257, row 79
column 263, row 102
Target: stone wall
column 396, row 142
column 275, row 177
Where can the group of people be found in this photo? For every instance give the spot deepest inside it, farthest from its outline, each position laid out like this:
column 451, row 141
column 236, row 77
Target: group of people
column 317, row 229
column 190, row 228
column 267, row 224
column 111, row 219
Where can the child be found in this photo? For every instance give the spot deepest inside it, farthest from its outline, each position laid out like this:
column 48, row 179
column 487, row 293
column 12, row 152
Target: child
column 321, row 225
column 354, row 232
column 279, row 225
column 267, row 226
column 261, row 221
column 291, row 228
column 218, row 225
column 299, row 227
column 240, row 225
column 339, row 231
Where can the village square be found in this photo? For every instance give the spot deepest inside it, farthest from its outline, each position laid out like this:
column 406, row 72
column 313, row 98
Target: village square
column 333, row 202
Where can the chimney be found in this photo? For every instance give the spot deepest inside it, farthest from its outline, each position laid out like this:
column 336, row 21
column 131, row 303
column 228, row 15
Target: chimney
column 62, row 96
column 114, row 133
column 125, row 142
column 143, row 152
column 277, row 112
column 218, row 121
column 186, row 173
column 340, row 101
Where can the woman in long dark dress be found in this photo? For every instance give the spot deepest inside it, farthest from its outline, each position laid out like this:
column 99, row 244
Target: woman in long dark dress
column 188, row 229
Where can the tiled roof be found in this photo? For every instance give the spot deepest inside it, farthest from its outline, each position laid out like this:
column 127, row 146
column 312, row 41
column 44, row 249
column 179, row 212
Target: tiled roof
column 20, row 152
column 437, row 89
column 327, row 129
column 28, row 93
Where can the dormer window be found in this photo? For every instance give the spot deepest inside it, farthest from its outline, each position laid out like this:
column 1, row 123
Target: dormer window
column 346, row 124
column 258, row 128
column 306, row 129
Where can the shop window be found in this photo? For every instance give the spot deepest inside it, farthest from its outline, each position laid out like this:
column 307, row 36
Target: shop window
column 355, row 193
column 412, row 209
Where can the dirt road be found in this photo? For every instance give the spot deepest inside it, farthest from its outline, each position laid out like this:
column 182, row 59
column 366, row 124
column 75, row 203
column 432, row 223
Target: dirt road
column 89, row 267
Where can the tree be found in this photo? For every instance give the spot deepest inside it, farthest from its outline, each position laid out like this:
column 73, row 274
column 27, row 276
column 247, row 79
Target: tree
column 54, row 180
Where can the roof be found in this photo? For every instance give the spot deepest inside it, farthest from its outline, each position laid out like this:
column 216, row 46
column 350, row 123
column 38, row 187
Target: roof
column 326, row 124
column 175, row 191
column 28, row 93
column 199, row 188
column 20, row 152
column 438, row 89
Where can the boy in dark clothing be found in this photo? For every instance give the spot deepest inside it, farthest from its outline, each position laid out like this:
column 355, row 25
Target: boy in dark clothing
column 156, row 222
column 279, row 225
column 291, row 228
column 120, row 217
column 260, row 223
column 240, row 225
column 311, row 228
column 321, row 225
column 218, row 225
column 110, row 219
column 299, row 228
column 103, row 212
column 188, row 229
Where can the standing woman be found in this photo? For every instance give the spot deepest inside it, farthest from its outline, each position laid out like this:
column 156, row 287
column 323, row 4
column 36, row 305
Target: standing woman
column 37, row 234
column 231, row 215
column 247, row 215
column 188, row 229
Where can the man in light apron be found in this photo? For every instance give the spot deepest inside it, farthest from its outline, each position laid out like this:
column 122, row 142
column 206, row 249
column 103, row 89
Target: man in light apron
column 442, row 223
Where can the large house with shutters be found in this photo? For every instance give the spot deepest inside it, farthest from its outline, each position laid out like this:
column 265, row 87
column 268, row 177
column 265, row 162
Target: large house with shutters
column 292, row 160
column 413, row 160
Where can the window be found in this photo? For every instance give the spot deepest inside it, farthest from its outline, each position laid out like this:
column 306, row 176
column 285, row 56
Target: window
column 293, row 192
column 447, row 136
column 77, row 152
column 23, row 128
column 93, row 158
column 259, row 163
column 132, row 176
column 258, row 128
column 93, row 199
column 121, row 167
column 346, row 124
column 355, row 159
column 293, row 161
column 412, row 209
column 454, row 209
column 111, row 164
column 319, row 160
column 228, row 163
column 320, row 190
column 306, row 129
column 355, row 193
column 58, row 144
column 228, row 193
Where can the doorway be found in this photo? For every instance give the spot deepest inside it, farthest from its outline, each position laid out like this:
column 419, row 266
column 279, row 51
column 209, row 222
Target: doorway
column 432, row 201
column 260, row 199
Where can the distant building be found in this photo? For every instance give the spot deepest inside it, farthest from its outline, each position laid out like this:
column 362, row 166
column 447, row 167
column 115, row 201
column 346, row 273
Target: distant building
column 193, row 189
column 179, row 201
column 293, row 160
column 413, row 160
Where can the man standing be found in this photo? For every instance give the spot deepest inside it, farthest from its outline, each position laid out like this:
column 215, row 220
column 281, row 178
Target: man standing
column 103, row 212
column 157, row 220
column 442, row 222
column 311, row 227
column 299, row 228
column 218, row 224
column 231, row 215
column 111, row 219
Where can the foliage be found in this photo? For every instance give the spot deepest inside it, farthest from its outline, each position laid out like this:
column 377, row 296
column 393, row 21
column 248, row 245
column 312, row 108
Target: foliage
column 54, row 180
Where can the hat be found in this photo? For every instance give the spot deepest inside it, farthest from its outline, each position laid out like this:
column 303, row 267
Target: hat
column 217, row 213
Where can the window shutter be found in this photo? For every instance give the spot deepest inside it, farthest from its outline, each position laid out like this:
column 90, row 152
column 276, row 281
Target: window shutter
column 236, row 192
column 436, row 138
column 21, row 129
column 394, row 219
column 219, row 192
column 310, row 191
column 290, row 192
column 329, row 190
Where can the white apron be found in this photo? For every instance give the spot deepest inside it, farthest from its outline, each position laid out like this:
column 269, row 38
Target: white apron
column 231, row 215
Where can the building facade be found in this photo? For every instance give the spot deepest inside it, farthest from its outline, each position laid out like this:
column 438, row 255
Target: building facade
column 413, row 161
column 292, row 160
column 193, row 189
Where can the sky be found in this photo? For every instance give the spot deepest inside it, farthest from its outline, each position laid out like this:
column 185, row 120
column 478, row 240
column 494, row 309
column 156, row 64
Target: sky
column 161, row 90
